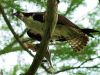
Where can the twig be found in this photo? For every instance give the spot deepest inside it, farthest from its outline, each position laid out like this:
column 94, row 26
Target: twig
column 80, row 66
column 89, row 59
column 50, row 23
column 70, row 68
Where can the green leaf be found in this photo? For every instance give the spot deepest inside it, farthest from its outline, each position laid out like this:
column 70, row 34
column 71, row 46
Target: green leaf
column 73, row 5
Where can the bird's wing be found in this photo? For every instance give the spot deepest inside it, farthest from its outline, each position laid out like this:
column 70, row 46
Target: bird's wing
column 77, row 39
column 64, row 21
column 73, row 34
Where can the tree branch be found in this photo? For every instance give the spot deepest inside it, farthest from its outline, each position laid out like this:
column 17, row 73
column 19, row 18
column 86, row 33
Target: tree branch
column 70, row 68
column 12, row 30
column 89, row 59
column 50, row 23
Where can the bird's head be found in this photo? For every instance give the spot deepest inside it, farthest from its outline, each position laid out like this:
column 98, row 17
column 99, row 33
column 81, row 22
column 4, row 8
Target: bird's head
column 35, row 15
column 19, row 15
column 33, row 20
column 22, row 15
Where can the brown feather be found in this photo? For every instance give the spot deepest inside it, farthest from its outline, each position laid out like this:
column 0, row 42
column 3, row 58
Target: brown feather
column 65, row 29
column 78, row 40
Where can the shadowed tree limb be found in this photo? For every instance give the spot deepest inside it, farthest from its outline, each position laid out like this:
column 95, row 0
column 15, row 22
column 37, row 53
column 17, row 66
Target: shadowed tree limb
column 51, row 20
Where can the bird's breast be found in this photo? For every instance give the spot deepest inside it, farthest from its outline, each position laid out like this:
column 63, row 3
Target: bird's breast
column 34, row 26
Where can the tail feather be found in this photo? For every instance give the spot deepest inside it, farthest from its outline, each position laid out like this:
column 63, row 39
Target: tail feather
column 89, row 31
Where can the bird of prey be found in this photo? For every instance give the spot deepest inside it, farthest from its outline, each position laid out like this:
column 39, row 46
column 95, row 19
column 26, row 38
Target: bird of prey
column 65, row 30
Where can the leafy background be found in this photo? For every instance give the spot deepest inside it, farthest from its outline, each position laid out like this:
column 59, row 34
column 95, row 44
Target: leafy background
column 64, row 59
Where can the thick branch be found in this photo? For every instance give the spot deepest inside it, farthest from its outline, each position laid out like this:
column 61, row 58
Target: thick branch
column 50, row 23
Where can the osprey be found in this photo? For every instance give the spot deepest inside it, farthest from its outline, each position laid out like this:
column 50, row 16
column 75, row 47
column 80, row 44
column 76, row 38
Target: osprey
column 65, row 30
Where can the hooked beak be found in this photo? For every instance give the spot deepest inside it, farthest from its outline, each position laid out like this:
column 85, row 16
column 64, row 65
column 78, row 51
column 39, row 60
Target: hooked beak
column 18, row 14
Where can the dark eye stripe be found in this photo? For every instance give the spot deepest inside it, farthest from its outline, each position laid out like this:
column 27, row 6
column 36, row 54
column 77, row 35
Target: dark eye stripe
column 38, row 17
column 27, row 14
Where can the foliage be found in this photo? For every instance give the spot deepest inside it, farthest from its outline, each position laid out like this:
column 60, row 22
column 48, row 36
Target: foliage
column 63, row 57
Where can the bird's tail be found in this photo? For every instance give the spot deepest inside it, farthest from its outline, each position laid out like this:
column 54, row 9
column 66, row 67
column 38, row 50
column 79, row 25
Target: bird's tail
column 89, row 31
